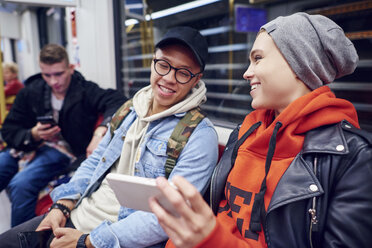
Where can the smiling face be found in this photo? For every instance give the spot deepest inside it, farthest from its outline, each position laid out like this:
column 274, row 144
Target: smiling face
column 273, row 83
column 57, row 76
column 167, row 91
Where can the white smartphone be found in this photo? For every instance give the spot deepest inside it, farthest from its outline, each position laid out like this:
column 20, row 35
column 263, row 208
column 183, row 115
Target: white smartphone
column 134, row 192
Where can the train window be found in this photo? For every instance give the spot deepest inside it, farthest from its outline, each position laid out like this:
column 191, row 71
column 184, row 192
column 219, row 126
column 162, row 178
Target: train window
column 228, row 93
column 355, row 19
column 49, row 20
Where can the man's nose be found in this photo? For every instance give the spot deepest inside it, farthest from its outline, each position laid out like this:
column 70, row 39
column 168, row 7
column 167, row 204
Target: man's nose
column 53, row 79
column 171, row 76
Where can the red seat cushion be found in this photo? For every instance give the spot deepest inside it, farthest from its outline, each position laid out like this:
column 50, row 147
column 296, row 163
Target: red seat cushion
column 43, row 205
column 221, row 148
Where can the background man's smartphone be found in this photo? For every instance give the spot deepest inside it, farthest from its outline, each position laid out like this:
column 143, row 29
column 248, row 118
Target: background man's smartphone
column 46, row 120
column 34, row 239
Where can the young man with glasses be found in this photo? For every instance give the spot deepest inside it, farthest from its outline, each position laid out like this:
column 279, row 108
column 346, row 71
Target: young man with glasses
column 47, row 148
column 138, row 146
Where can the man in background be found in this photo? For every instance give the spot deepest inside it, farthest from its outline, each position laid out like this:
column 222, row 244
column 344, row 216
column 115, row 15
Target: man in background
column 69, row 106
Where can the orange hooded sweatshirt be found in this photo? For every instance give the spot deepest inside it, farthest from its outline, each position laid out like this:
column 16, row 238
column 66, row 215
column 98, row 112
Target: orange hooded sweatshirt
column 244, row 183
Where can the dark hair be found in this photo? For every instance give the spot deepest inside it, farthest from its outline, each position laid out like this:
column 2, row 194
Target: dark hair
column 53, row 53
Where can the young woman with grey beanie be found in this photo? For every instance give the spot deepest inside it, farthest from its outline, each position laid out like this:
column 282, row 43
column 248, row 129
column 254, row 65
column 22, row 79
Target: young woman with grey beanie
column 297, row 172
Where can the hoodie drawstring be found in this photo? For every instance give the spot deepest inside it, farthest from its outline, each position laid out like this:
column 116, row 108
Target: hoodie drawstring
column 242, row 139
column 258, row 209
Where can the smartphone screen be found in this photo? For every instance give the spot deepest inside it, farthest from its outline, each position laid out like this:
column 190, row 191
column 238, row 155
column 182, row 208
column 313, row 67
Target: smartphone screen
column 37, row 239
column 46, row 120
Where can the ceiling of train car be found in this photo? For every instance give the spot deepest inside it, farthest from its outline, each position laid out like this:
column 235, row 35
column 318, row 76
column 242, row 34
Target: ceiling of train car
column 192, row 14
column 12, row 7
column 156, row 5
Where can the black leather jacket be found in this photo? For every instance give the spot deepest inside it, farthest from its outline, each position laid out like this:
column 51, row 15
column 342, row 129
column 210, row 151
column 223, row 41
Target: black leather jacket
column 324, row 199
column 83, row 102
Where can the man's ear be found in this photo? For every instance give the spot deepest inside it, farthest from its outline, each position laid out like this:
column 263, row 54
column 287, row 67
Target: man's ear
column 71, row 67
column 198, row 77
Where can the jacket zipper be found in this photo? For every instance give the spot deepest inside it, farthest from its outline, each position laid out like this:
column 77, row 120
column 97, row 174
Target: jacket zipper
column 312, row 211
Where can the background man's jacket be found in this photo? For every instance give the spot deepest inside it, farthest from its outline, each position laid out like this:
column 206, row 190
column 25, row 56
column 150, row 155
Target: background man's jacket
column 83, row 102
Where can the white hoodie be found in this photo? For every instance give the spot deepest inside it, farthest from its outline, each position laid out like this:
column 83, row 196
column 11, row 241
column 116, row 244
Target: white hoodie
column 141, row 103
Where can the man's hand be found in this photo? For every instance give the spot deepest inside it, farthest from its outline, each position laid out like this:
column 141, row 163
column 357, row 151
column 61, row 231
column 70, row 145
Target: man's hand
column 97, row 137
column 196, row 220
column 44, row 131
column 53, row 220
column 55, row 217
column 68, row 237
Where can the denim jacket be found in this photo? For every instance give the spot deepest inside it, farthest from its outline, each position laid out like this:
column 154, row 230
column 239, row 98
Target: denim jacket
column 139, row 228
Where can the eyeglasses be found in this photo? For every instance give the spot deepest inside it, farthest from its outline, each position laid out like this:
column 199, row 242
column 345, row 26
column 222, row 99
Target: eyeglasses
column 183, row 76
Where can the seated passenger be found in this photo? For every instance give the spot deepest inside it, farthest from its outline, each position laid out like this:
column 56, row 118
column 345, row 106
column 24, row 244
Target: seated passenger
column 302, row 168
column 11, row 83
column 74, row 105
column 138, row 147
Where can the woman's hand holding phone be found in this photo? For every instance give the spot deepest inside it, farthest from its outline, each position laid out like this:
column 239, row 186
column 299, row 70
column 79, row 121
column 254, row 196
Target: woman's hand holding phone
column 196, row 220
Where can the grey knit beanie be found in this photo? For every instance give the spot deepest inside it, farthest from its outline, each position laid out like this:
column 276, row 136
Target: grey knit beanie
column 314, row 46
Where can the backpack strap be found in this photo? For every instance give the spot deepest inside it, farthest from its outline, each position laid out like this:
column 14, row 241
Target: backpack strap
column 119, row 116
column 180, row 136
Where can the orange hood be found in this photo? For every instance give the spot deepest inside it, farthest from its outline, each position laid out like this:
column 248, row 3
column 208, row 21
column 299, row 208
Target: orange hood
column 318, row 108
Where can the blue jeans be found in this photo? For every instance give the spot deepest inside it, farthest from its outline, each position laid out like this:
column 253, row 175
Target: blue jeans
column 24, row 186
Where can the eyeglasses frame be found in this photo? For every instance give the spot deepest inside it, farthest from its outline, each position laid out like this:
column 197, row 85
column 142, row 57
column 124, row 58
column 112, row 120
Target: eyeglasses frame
column 175, row 69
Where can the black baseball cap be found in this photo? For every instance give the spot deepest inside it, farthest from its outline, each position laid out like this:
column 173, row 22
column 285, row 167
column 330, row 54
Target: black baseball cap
column 190, row 37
